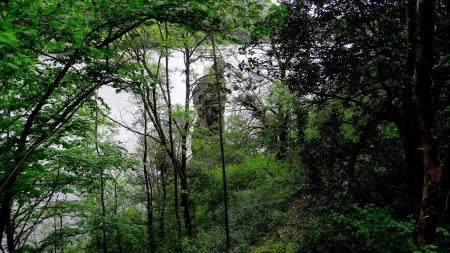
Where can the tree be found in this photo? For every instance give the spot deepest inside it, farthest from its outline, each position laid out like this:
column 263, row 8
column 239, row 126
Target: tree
column 69, row 34
column 154, row 92
column 349, row 56
column 426, row 97
column 221, row 86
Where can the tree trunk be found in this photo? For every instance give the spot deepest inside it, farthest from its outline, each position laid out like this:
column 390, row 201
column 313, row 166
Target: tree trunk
column 409, row 125
column 148, row 190
column 102, row 188
column 176, row 205
column 410, row 137
column 4, row 214
column 185, row 205
column 222, row 154
column 6, row 203
column 162, row 231
column 171, row 142
column 6, row 219
column 184, row 135
column 116, row 207
column 428, row 133
column 284, row 118
column 102, row 183
column 284, row 133
column 446, row 184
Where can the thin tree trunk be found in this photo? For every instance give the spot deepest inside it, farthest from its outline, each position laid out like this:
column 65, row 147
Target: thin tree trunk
column 98, row 244
column 55, row 229
column 162, row 232
column 148, row 190
column 184, row 185
column 284, row 133
column 428, row 132
column 61, row 237
column 116, row 207
column 222, row 153
column 176, row 206
column 172, row 150
column 284, row 118
column 102, row 184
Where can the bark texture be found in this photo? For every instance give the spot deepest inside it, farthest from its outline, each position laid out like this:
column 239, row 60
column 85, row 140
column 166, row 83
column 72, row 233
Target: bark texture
column 428, row 133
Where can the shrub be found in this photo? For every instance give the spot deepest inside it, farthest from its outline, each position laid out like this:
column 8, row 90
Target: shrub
column 373, row 229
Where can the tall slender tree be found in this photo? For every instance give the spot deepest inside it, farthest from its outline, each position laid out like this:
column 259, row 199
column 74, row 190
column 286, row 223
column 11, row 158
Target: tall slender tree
column 220, row 87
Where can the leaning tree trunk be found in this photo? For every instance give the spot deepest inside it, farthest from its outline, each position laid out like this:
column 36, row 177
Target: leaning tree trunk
column 428, row 133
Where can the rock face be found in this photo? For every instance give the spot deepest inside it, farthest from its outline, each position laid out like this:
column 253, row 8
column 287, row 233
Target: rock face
column 206, row 100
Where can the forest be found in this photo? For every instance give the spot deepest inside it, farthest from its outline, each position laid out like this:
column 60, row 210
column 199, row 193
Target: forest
column 243, row 126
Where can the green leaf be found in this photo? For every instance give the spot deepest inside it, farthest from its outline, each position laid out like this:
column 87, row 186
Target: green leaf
column 55, row 24
column 9, row 38
column 69, row 190
column 239, row 75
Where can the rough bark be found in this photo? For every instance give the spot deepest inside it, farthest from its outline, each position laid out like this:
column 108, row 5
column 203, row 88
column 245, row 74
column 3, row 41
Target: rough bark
column 428, row 132
column 409, row 125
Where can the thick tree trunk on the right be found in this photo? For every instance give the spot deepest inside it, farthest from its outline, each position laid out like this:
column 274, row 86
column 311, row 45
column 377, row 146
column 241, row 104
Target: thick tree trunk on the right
column 428, row 132
column 409, row 125
column 446, row 184
column 413, row 158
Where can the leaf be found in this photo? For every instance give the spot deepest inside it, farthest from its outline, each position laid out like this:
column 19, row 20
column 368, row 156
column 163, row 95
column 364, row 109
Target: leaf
column 78, row 35
column 154, row 84
column 55, row 24
column 31, row 32
column 9, row 38
column 69, row 190
column 228, row 91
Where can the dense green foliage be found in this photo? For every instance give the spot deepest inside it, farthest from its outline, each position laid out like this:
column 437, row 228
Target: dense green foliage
column 312, row 128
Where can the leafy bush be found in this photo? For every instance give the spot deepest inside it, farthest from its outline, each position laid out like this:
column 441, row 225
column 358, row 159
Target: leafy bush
column 373, row 229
